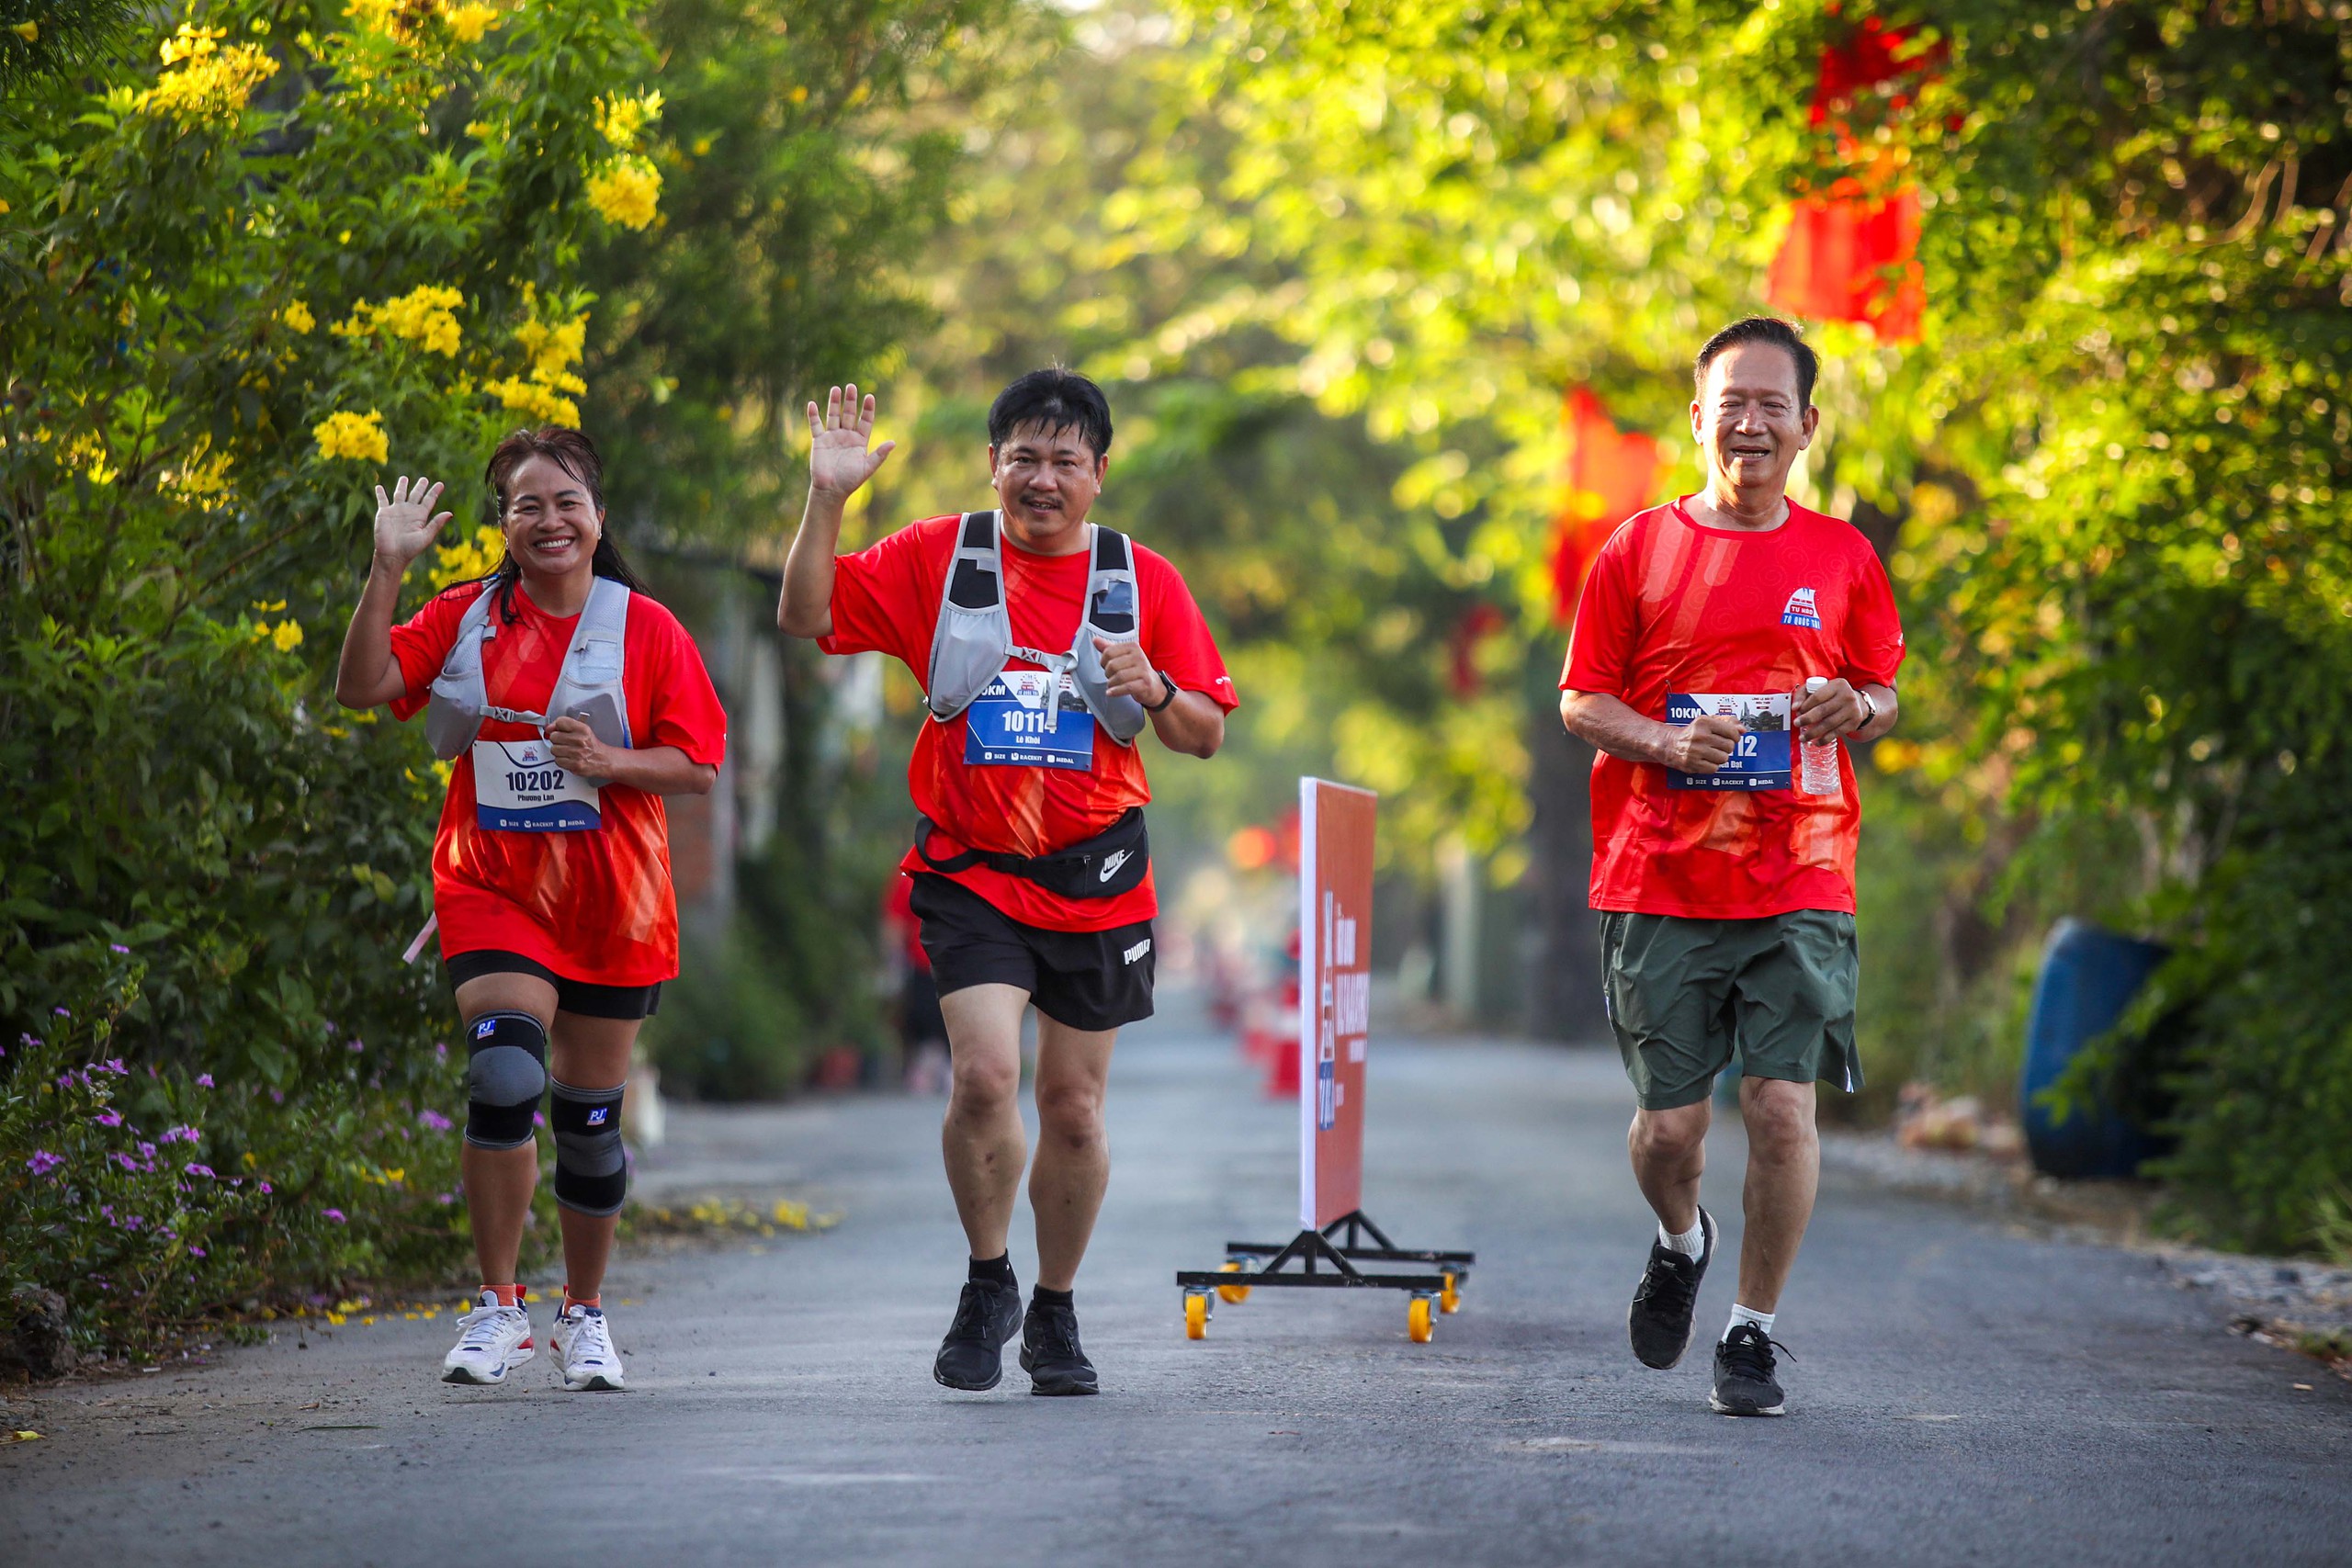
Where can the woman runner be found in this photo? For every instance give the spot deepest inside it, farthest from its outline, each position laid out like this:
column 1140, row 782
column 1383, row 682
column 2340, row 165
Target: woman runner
column 551, row 864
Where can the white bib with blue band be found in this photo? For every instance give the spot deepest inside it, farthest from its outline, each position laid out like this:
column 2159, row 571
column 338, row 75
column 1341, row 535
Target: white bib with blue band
column 520, row 788
column 1761, row 759
column 1016, row 721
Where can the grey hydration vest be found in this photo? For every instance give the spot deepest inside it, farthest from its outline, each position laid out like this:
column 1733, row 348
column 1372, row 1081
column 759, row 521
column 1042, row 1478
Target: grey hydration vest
column 588, row 688
column 974, row 636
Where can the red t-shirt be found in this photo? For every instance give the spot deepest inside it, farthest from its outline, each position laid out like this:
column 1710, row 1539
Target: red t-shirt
column 885, row 597
column 1674, row 609
column 595, row 905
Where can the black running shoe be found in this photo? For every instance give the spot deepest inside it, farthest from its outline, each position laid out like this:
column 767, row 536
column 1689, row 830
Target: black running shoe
column 972, row 1356
column 1049, row 1351
column 1659, row 1319
column 1744, row 1382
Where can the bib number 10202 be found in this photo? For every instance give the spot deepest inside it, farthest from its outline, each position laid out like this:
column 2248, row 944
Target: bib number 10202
column 518, row 788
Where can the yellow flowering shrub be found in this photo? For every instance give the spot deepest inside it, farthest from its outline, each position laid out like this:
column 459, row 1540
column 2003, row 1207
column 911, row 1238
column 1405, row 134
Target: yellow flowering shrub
column 542, row 393
column 425, row 316
column 621, row 120
column 360, row 436
column 467, row 23
column 463, row 560
column 296, row 317
column 414, row 21
column 624, row 190
column 203, row 82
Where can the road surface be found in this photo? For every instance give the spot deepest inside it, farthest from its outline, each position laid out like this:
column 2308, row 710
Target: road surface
column 1962, row 1391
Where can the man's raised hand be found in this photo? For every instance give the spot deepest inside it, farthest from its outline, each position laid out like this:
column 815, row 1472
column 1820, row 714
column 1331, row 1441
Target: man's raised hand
column 405, row 521
column 838, row 460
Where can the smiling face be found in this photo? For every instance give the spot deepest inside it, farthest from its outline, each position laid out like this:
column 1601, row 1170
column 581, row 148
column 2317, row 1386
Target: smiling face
column 1045, row 482
column 552, row 521
column 1750, row 423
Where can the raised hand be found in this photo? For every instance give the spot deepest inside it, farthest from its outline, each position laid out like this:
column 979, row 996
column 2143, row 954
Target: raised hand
column 405, row 521
column 838, row 460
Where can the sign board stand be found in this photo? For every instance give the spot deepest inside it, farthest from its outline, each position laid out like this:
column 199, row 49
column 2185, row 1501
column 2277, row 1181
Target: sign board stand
column 1335, row 833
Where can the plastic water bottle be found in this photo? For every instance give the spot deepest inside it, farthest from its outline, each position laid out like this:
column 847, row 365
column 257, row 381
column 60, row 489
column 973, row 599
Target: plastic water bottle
column 1819, row 768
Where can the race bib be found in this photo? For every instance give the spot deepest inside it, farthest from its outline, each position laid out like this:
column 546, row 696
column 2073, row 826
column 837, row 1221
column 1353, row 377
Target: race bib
column 519, row 788
column 1761, row 759
column 1012, row 725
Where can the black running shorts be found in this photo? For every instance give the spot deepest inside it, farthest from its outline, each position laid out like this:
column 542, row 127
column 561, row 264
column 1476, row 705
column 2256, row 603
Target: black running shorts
column 1090, row 980
column 588, row 1001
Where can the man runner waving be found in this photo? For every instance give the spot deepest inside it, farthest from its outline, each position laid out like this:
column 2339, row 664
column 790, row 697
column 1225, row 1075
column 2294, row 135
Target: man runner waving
column 1046, row 646
column 1708, row 630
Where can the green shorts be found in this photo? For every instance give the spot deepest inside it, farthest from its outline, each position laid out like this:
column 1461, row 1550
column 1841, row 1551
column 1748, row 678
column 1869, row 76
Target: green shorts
column 1683, row 993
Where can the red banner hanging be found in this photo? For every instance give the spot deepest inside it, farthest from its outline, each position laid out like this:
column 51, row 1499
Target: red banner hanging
column 1609, row 475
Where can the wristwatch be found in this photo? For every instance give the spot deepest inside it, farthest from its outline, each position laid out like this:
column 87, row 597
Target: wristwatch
column 1870, row 709
column 1161, row 705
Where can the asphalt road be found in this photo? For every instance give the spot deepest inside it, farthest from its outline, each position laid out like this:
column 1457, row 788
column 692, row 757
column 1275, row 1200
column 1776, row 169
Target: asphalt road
column 1962, row 1391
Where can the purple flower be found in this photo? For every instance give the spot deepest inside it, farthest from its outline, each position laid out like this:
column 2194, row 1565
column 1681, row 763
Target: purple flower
column 181, row 1134
column 114, row 1064
column 109, row 1118
column 193, row 1168
column 356, row 1045
column 117, row 947
column 124, row 1160
column 195, row 1251
column 440, row 1049
column 434, row 1120
column 278, row 1097
column 32, row 1042
column 61, row 1012
column 264, row 1188
column 334, row 1214
column 133, row 1222
column 147, row 1150
column 43, row 1162
column 537, row 1120
column 204, row 1080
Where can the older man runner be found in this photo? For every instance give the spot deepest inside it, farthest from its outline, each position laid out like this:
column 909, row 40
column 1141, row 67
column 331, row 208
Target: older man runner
column 1708, row 628
column 1046, row 645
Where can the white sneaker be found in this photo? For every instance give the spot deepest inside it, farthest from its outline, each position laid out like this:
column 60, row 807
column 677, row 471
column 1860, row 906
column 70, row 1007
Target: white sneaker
column 492, row 1341
column 583, row 1343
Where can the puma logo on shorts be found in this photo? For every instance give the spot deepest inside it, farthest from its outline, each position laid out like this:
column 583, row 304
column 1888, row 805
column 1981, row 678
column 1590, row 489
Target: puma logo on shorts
column 1138, row 950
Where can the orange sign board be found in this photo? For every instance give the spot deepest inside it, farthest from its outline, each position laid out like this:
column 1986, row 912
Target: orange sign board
column 1335, row 828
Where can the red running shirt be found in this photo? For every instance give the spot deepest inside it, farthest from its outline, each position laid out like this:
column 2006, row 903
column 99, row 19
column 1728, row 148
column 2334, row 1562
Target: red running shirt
column 1674, row 607
column 595, row 906
column 886, row 598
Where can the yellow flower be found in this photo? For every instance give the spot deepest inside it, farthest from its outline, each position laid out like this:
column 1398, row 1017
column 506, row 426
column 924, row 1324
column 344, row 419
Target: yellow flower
column 463, row 560
column 210, row 82
column 624, row 191
column 424, row 316
column 467, row 23
column 361, row 436
column 29, row 32
column 621, row 120
column 542, row 403
column 287, row 636
column 554, row 350
column 297, row 316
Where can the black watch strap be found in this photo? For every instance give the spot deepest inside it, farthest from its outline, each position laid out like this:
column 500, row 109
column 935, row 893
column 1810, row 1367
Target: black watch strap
column 1172, row 688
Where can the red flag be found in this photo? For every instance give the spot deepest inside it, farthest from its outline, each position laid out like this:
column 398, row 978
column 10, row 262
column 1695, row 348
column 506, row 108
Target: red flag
column 1609, row 475
column 1852, row 254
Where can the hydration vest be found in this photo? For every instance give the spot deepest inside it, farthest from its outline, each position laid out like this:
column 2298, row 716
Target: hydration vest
column 974, row 636
column 588, row 688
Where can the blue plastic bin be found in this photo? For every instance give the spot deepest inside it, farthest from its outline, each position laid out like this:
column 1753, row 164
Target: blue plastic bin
column 2088, row 977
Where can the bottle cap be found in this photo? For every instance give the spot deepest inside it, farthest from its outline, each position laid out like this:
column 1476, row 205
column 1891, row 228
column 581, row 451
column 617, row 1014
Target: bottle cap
column 1814, row 683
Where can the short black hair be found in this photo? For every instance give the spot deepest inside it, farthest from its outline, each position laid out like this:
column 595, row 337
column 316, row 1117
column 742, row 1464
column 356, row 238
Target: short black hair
column 1763, row 329
column 1058, row 398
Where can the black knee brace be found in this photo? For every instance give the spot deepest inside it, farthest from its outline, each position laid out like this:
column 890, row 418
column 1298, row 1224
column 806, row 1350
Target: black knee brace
column 591, row 1168
column 506, row 1071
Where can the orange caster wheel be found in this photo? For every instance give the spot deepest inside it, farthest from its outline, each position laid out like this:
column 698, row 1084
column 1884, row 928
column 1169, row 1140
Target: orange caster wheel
column 1417, row 1327
column 1196, row 1316
column 1235, row 1294
column 1448, row 1300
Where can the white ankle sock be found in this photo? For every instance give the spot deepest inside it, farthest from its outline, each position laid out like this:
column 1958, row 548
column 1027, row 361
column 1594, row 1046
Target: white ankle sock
column 1739, row 1314
column 1692, row 1244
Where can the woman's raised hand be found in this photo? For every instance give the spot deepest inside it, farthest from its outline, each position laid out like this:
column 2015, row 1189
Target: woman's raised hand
column 405, row 521
column 838, row 460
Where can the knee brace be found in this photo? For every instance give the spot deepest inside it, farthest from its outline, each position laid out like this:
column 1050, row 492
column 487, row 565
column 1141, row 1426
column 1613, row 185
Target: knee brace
column 591, row 1167
column 506, row 1071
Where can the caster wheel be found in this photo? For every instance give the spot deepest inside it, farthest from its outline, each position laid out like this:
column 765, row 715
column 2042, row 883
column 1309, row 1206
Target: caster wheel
column 1417, row 1327
column 1235, row 1294
column 1196, row 1316
column 1448, row 1300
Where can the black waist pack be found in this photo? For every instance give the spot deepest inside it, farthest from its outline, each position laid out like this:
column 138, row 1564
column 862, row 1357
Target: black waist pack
column 1112, row 863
